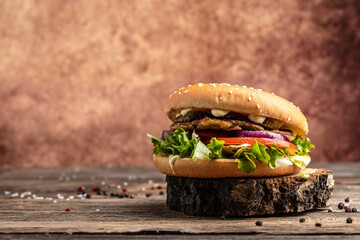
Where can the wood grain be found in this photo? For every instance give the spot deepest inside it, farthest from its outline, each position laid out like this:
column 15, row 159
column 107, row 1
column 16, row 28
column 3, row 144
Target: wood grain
column 143, row 215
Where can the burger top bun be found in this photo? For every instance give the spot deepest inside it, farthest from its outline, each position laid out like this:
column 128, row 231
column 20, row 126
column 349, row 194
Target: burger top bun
column 238, row 99
column 217, row 168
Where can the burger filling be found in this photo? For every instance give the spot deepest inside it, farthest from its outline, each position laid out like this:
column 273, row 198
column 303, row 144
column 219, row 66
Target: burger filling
column 217, row 134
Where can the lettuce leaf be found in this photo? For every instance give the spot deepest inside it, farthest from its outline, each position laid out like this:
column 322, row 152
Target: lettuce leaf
column 245, row 164
column 300, row 160
column 274, row 154
column 303, row 145
column 183, row 145
column 216, row 148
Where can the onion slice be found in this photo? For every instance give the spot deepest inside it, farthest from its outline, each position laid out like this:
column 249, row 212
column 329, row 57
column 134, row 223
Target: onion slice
column 166, row 131
column 258, row 134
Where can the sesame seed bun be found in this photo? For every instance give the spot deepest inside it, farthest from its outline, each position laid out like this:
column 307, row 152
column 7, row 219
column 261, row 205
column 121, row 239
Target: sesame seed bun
column 218, row 168
column 238, row 99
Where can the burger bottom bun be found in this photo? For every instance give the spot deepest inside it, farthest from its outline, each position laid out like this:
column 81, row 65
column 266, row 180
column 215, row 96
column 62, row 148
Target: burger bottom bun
column 219, row 168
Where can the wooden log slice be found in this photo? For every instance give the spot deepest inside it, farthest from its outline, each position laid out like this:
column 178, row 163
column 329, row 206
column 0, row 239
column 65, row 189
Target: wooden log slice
column 249, row 196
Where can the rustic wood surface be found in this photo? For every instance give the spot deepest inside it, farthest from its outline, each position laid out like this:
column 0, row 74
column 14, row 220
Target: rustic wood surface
column 148, row 217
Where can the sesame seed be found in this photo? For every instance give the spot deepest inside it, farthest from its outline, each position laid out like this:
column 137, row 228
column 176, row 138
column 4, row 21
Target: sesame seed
column 288, row 119
column 252, row 94
column 227, row 84
column 243, row 86
column 189, row 85
column 273, row 93
column 230, row 92
column 258, row 106
column 249, row 99
column 259, row 90
column 186, row 91
column 212, row 84
column 200, row 84
column 179, row 93
column 251, row 88
column 236, row 89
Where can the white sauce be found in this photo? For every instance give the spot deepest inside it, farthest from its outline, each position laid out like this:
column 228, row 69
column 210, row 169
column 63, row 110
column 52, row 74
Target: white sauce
column 185, row 111
column 219, row 112
column 256, row 118
column 284, row 161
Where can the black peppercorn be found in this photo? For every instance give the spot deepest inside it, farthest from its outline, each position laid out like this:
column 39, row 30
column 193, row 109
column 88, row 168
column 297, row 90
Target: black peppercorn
column 159, row 187
column 349, row 220
column 302, row 220
column 330, row 210
column 348, row 209
column 347, row 199
column 259, row 223
column 354, row 210
column 88, row 195
column 341, row 206
column 161, row 193
column 317, row 224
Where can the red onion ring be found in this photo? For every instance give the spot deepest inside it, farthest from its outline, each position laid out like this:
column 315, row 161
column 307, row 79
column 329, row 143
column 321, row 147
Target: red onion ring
column 166, row 131
column 258, row 134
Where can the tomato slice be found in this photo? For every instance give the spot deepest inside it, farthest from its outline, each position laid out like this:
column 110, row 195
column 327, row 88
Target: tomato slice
column 266, row 141
column 212, row 133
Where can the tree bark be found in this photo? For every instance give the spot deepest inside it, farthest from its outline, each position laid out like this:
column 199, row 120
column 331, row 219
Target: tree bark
column 247, row 197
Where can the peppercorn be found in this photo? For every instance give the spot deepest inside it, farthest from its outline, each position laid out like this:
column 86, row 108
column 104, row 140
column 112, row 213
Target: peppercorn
column 95, row 189
column 341, row 206
column 98, row 193
column 317, row 224
column 161, row 193
column 148, row 194
column 347, row 199
column 159, row 187
column 132, row 196
column 302, row 220
column 349, row 220
column 259, row 223
column 348, row 209
column 354, row 210
column 330, row 210
column 153, row 187
column 88, row 195
column 125, row 190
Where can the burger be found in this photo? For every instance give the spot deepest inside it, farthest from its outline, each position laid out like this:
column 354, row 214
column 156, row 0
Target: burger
column 231, row 131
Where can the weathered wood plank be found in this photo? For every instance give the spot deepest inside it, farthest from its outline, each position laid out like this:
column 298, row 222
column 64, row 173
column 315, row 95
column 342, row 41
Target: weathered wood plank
column 141, row 215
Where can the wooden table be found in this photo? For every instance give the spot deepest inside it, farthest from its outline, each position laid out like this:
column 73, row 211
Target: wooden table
column 41, row 214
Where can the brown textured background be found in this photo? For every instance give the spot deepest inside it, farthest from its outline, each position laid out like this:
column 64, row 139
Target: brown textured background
column 81, row 82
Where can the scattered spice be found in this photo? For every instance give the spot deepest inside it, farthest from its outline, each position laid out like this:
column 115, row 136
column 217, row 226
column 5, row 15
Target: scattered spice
column 132, row 196
column 153, row 187
column 348, row 209
column 317, row 224
column 159, row 187
column 161, row 193
column 88, row 195
column 125, row 190
column 347, row 199
column 302, row 220
column 259, row 223
column 67, row 210
column 148, row 194
column 80, row 189
column 95, row 189
column 341, row 206
column 349, row 220
column 354, row 210
column 330, row 210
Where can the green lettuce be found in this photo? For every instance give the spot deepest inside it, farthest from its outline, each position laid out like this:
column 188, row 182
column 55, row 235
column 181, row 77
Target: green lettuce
column 183, row 145
column 303, row 145
column 216, row 148
column 261, row 153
